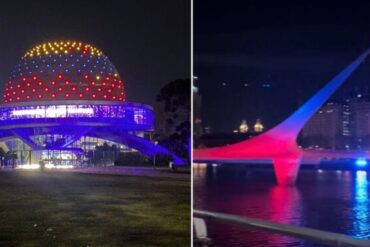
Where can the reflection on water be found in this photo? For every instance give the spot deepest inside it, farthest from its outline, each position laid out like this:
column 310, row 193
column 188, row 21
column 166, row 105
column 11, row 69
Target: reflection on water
column 335, row 201
column 361, row 224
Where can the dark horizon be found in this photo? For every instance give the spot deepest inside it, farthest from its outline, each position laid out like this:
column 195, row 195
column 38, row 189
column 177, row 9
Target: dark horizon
column 262, row 59
column 148, row 42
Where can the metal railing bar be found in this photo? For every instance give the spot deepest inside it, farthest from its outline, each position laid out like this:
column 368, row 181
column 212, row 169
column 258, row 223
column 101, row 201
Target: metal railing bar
column 318, row 236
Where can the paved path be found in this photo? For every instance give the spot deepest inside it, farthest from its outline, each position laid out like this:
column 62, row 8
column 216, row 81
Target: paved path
column 161, row 172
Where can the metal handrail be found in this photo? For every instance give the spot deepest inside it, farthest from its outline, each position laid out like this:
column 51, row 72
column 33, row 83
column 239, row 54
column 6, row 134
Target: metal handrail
column 318, row 236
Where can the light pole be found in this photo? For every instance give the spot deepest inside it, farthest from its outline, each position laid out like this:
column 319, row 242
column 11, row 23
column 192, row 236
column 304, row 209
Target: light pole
column 155, row 155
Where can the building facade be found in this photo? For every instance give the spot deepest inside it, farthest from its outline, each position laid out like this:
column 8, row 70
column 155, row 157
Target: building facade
column 340, row 125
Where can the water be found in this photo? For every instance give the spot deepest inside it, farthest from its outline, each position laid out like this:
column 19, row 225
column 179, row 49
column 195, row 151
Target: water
column 336, row 201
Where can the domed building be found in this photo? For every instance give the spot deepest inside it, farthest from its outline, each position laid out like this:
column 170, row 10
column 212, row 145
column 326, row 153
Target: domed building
column 65, row 98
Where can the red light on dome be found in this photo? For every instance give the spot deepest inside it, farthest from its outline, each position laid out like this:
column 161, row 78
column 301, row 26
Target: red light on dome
column 60, row 79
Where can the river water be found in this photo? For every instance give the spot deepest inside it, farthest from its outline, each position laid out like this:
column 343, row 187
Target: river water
column 331, row 200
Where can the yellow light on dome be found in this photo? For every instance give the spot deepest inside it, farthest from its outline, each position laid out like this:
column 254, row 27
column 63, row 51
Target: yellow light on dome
column 98, row 77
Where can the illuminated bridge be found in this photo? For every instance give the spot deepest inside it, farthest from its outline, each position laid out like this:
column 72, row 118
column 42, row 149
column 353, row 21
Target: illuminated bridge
column 65, row 98
column 278, row 145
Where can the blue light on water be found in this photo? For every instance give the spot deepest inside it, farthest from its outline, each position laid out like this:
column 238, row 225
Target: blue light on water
column 361, row 162
column 361, row 206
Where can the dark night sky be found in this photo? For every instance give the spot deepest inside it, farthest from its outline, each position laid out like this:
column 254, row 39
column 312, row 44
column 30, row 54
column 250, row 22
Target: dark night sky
column 148, row 41
column 296, row 46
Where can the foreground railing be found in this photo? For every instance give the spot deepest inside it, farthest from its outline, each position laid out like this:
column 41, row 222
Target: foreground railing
column 318, row 236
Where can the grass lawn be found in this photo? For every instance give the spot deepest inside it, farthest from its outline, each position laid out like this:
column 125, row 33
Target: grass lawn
column 69, row 209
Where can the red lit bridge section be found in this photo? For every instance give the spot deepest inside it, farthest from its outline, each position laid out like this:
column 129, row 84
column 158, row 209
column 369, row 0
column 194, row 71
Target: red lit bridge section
column 278, row 145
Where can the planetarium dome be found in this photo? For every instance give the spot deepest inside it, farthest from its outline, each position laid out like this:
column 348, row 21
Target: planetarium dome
column 64, row 70
column 63, row 100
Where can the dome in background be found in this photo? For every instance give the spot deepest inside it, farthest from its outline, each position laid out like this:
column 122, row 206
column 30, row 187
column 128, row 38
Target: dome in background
column 64, row 70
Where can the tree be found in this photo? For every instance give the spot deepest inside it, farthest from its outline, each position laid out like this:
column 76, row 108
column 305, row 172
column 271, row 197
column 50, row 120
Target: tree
column 175, row 97
column 2, row 156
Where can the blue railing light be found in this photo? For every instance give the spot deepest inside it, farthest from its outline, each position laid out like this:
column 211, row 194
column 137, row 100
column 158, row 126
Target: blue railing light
column 361, row 162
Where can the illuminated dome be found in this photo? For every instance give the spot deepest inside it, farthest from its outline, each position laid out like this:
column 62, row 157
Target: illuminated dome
column 64, row 70
column 65, row 99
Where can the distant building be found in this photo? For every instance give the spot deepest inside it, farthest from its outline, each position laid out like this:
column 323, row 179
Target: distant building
column 326, row 127
column 360, row 115
column 197, row 106
column 258, row 126
column 243, row 128
column 343, row 125
column 207, row 129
